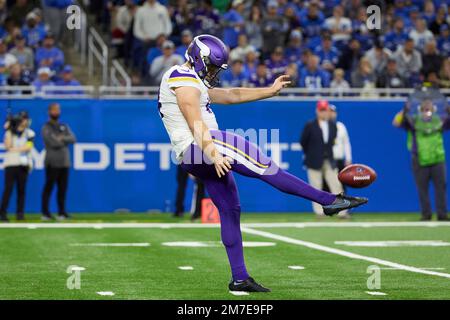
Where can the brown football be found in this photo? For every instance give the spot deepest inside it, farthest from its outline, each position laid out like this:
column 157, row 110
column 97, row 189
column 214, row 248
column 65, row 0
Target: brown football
column 357, row 176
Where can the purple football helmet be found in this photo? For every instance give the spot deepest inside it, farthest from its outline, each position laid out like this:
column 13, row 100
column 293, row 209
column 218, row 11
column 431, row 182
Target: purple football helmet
column 208, row 55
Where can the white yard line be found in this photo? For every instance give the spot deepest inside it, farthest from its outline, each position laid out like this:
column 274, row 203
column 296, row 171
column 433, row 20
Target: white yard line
column 376, row 293
column 105, row 293
column 111, row 244
column 343, row 253
column 125, row 225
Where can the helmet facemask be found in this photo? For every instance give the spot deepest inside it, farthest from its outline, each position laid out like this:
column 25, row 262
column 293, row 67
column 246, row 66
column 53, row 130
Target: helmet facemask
column 210, row 76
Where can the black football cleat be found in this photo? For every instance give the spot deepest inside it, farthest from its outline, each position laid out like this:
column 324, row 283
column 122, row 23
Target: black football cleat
column 248, row 285
column 343, row 202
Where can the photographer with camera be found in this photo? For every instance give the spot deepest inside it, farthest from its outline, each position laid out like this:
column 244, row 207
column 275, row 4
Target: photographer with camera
column 425, row 141
column 18, row 141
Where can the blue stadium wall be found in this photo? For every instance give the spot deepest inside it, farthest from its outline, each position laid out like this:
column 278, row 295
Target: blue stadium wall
column 135, row 172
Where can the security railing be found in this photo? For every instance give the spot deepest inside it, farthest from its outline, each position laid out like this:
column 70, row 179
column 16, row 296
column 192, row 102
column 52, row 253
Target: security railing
column 124, row 90
column 119, row 77
column 99, row 50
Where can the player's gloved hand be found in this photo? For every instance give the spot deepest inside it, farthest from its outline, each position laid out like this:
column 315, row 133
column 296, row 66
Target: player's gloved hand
column 222, row 165
column 280, row 83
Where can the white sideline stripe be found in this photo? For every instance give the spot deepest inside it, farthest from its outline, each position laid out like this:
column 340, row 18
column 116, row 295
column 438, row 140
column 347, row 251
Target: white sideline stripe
column 105, row 293
column 395, row 243
column 343, row 253
column 118, row 225
column 419, row 268
column 239, row 293
column 376, row 293
column 143, row 244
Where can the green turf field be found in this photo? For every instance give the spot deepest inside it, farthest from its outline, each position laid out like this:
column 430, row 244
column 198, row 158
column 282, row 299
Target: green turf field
column 127, row 254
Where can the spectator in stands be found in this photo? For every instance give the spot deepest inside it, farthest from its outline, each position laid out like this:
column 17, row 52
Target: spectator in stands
column 262, row 78
column 251, row 62
column 186, row 39
column 274, row 28
column 163, row 63
column 3, row 73
column 312, row 20
column 443, row 41
column 397, row 36
column 253, row 27
column 55, row 12
column 67, row 78
column 412, row 18
column 243, row 48
column 233, row 23
column 19, row 11
column 431, row 59
column 428, row 11
column 7, row 58
column 277, row 64
column 33, row 32
column 11, row 31
column 44, row 79
column 390, row 77
column 339, row 26
column 360, row 30
column 23, row 54
column 439, row 21
column 409, row 61
column 292, row 72
column 151, row 20
column 327, row 53
column 350, row 56
column 16, row 77
column 3, row 15
column 339, row 84
column 48, row 55
column 294, row 49
column 378, row 56
column 124, row 20
column 156, row 51
column 182, row 15
column 291, row 17
column 236, row 76
column 207, row 19
column 444, row 74
column 421, row 35
column 313, row 76
column 364, row 75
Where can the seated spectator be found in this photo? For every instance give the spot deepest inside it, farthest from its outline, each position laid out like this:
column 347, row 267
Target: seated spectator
column 378, row 56
column 444, row 74
column 182, row 15
column 274, row 28
column 397, row 36
column 339, row 84
column 243, row 48
column 16, row 77
column 350, row 56
column 411, row 18
column 311, row 20
column 360, row 30
column 277, row 64
column 48, row 55
column 11, row 32
column 443, row 41
column 24, row 55
column 431, row 59
column 390, row 77
column 439, row 21
column 33, row 32
column 251, row 62
column 3, row 73
column 294, row 49
column 409, row 60
column 163, row 63
column 291, row 17
column 428, row 11
column 236, row 76
column 327, row 53
column 292, row 72
column 67, row 78
column 233, row 22
column 421, row 35
column 339, row 26
column 364, row 75
column 313, row 76
column 262, row 78
column 207, row 19
column 253, row 27
column 44, row 79
column 6, row 58
column 19, row 11
column 156, row 51
column 186, row 39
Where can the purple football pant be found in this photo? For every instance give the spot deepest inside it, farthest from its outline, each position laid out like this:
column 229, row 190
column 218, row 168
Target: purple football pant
column 248, row 160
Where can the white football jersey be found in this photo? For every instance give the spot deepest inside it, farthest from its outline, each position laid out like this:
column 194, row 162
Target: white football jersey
column 174, row 121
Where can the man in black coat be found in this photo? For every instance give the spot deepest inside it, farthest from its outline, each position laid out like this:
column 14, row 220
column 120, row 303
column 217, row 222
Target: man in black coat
column 317, row 140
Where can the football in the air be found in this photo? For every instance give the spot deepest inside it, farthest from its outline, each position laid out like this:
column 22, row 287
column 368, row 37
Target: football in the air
column 357, row 176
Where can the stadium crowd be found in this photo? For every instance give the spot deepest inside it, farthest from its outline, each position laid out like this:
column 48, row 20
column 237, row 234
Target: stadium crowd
column 30, row 45
column 319, row 43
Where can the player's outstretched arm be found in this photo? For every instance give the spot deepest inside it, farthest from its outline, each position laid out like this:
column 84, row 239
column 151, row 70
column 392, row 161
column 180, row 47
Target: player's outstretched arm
column 241, row 95
column 188, row 99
